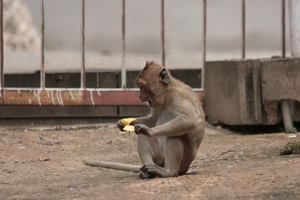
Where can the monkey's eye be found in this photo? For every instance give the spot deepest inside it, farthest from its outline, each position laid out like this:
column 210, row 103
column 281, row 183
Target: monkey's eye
column 140, row 86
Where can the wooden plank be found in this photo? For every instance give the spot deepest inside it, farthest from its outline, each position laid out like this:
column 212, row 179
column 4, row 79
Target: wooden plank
column 66, row 97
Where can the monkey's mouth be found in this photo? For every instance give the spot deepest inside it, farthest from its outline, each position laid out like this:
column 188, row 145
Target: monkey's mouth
column 149, row 102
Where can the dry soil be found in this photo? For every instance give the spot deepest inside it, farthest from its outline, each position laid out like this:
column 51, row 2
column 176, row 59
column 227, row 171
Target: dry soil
column 39, row 163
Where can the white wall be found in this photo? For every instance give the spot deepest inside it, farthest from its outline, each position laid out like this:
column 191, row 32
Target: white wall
column 183, row 26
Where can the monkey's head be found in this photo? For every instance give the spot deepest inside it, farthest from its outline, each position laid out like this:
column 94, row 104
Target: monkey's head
column 153, row 81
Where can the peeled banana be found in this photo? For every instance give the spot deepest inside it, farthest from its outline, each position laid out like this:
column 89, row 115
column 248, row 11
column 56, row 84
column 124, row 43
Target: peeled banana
column 126, row 123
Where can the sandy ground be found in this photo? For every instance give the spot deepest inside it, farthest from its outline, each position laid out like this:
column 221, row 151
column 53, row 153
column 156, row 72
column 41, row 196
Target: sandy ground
column 47, row 164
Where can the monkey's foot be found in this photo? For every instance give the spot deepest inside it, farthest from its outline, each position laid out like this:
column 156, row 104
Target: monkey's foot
column 146, row 175
column 146, row 172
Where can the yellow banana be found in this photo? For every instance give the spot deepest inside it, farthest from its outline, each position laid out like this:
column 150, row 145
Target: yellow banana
column 126, row 123
column 129, row 128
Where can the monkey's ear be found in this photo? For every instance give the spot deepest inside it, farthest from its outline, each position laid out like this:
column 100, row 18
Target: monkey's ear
column 148, row 64
column 164, row 76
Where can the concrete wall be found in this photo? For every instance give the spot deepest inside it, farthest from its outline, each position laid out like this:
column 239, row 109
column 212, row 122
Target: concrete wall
column 280, row 80
column 247, row 92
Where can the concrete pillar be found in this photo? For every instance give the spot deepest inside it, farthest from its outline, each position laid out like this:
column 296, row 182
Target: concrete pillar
column 294, row 18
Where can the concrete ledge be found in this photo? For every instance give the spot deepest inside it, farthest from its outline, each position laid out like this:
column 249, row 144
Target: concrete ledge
column 280, row 80
column 247, row 92
column 232, row 94
column 9, row 112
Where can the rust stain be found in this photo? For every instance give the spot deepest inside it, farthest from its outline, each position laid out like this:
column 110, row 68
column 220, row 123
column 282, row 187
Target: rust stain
column 42, row 97
column 75, row 97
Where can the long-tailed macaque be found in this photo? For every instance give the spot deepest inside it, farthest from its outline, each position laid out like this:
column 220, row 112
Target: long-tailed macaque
column 168, row 139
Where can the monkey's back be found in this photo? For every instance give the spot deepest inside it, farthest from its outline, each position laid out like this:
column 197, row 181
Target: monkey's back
column 184, row 102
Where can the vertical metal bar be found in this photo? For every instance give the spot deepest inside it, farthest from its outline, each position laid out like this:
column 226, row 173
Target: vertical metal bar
column 283, row 29
column 1, row 53
column 163, row 56
column 42, row 78
column 83, row 86
column 204, row 44
column 294, row 15
column 243, row 29
column 123, row 72
column 286, row 115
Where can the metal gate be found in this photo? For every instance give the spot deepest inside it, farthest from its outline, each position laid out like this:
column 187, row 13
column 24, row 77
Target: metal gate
column 82, row 96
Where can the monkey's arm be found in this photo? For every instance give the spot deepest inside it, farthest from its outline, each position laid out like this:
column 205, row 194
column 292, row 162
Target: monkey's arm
column 176, row 127
column 147, row 120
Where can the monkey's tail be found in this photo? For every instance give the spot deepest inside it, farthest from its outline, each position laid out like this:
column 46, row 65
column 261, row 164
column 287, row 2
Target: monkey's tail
column 113, row 165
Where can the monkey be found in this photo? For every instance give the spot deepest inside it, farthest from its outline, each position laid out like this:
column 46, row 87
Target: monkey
column 169, row 137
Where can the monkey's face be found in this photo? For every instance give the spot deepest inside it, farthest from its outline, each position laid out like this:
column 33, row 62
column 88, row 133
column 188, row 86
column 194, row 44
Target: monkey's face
column 152, row 81
column 146, row 94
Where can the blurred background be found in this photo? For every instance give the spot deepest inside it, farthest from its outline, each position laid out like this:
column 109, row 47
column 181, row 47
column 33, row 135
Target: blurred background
column 183, row 31
column 103, row 38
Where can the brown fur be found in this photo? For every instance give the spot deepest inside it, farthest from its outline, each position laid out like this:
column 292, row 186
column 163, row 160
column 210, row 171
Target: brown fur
column 168, row 139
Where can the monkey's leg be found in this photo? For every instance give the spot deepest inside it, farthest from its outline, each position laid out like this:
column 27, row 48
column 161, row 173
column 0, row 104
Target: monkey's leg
column 149, row 152
column 174, row 151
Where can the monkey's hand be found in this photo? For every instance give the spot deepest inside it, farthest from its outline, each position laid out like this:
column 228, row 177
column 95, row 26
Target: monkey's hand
column 125, row 122
column 120, row 125
column 142, row 129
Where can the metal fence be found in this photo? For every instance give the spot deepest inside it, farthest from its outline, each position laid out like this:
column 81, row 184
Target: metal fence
column 122, row 96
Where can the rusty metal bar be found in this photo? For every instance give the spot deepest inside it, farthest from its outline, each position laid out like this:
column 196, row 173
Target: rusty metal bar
column 42, row 81
column 83, row 85
column 283, row 29
column 123, row 71
column 163, row 56
column 1, row 53
column 243, row 30
column 204, row 44
column 68, row 97
column 74, row 97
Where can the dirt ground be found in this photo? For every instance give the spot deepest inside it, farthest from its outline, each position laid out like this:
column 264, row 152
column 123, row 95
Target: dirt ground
column 39, row 163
